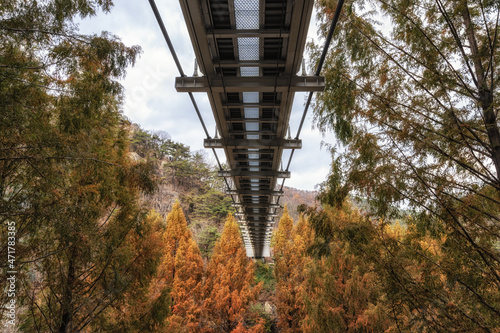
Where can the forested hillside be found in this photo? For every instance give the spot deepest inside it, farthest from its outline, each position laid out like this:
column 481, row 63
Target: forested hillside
column 184, row 176
column 189, row 177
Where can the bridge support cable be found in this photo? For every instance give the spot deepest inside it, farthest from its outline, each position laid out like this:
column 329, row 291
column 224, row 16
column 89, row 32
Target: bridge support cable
column 176, row 59
column 321, row 62
column 181, row 72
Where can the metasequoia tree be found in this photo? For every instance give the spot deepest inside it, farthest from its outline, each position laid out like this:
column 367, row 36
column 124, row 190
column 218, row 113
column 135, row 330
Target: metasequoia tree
column 142, row 307
column 343, row 290
column 289, row 246
column 181, row 273
column 283, row 235
column 67, row 182
column 228, row 290
column 415, row 103
column 282, row 244
column 176, row 231
column 374, row 276
column 186, row 289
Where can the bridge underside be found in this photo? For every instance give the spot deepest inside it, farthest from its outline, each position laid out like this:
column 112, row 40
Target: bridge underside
column 249, row 52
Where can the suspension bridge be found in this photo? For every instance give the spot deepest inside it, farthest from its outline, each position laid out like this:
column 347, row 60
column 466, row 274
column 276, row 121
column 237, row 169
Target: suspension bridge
column 249, row 54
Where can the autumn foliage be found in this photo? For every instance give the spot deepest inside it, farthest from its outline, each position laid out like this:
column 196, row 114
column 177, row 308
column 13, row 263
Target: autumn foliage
column 290, row 244
column 213, row 300
column 228, row 289
column 181, row 272
column 413, row 103
column 356, row 274
column 408, row 235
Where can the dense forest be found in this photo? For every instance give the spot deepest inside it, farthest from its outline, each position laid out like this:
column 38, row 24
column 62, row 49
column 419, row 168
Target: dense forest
column 108, row 227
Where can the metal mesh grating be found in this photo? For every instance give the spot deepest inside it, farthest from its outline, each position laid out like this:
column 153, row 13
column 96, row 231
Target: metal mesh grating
column 251, row 113
column 249, row 71
column 248, row 48
column 250, row 97
column 252, row 126
column 246, row 13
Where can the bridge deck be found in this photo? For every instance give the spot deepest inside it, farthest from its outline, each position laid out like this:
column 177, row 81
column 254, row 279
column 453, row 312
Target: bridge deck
column 249, row 52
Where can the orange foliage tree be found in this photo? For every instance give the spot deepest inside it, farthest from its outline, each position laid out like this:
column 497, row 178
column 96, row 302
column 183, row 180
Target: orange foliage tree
column 176, row 231
column 186, row 290
column 290, row 246
column 344, row 291
column 142, row 308
column 182, row 271
column 228, row 289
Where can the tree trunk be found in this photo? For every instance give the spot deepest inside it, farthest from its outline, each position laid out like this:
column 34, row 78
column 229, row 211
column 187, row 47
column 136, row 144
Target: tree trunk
column 67, row 297
column 485, row 96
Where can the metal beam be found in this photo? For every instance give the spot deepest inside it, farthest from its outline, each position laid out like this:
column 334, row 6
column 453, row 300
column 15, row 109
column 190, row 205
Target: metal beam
column 259, row 152
column 260, row 192
column 261, row 228
column 246, row 159
column 233, row 33
column 252, row 105
column 249, row 84
column 254, row 174
column 251, row 120
column 260, row 215
column 252, row 205
column 257, row 143
column 250, row 63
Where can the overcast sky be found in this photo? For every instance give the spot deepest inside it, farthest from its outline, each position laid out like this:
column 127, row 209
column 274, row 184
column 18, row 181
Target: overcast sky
column 151, row 99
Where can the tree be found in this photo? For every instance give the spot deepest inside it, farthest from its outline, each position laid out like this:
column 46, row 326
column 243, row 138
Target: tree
column 181, row 273
column 291, row 260
column 283, row 235
column 187, row 288
column 176, row 231
column 142, row 307
column 415, row 103
column 283, row 249
column 207, row 238
column 375, row 276
column 67, row 181
column 344, row 291
column 228, row 289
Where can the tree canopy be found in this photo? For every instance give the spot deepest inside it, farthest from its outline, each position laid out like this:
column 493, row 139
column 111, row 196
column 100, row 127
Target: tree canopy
column 67, row 181
column 411, row 96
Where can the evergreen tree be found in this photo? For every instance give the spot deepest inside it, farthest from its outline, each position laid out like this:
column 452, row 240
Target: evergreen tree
column 142, row 307
column 176, row 231
column 67, row 180
column 343, row 289
column 283, row 249
column 283, row 236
